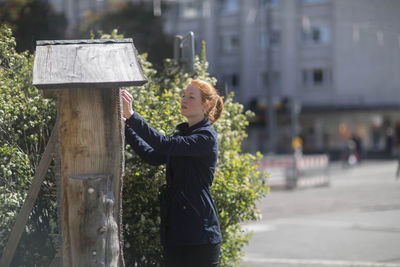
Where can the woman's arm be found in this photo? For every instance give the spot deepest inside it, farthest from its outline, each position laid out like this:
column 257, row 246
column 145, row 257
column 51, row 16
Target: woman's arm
column 145, row 152
column 198, row 144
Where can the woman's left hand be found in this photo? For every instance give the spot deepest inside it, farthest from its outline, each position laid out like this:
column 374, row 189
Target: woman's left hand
column 127, row 99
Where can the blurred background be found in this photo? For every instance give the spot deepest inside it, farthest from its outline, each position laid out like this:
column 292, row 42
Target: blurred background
column 323, row 79
column 323, row 70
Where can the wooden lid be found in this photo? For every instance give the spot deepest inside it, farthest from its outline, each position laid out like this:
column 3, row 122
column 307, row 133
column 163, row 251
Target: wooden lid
column 87, row 63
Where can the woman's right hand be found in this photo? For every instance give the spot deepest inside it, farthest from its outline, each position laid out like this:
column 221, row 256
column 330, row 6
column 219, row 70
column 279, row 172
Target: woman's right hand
column 127, row 99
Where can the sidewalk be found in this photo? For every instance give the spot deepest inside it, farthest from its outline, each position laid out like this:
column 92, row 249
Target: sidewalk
column 277, row 180
column 371, row 164
column 354, row 222
column 342, row 239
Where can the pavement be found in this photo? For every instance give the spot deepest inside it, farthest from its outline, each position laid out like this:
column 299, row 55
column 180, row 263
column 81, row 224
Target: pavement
column 355, row 221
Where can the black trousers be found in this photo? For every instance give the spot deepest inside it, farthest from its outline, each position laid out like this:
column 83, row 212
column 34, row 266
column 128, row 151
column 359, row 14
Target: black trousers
column 192, row 255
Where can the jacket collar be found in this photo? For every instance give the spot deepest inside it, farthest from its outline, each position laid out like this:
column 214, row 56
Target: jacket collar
column 184, row 127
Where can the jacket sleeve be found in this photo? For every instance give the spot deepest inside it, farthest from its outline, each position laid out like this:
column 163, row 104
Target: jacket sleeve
column 197, row 144
column 145, row 152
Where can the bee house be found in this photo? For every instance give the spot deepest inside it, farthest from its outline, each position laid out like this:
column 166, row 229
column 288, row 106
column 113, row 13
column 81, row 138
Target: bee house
column 86, row 77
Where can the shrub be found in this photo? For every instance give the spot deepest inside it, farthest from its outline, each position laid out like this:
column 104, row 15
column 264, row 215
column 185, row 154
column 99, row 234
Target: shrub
column 26, row 121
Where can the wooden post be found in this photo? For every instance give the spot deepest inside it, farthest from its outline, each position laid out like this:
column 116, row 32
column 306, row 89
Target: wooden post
column 90, row 144
column 94, row 235
column 88, row 75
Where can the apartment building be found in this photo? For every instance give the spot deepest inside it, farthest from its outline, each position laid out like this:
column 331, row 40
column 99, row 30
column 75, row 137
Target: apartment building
column 338, row 60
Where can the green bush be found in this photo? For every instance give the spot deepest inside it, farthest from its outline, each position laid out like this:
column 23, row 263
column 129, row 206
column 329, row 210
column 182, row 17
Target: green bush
column 26, row 119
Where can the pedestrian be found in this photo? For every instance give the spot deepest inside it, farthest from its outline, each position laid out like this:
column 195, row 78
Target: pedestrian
column 190, row 230
column 358, row 143
column 389, row 142
column 398, row 167
column 349, row 157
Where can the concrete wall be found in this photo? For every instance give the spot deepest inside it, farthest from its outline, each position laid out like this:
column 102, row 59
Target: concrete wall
column 367, row 51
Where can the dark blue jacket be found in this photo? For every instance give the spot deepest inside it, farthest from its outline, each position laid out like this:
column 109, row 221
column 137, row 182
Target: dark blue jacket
column 188, row 212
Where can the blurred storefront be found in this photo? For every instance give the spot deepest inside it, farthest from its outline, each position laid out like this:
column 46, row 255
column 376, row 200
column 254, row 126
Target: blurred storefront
column 377, row 128
column 327, row 129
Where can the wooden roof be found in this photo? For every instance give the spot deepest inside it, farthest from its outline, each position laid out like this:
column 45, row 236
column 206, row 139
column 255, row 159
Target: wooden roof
column 86, row 63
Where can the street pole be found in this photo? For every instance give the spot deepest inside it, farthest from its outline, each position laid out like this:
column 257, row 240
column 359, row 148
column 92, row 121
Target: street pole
column 184, row 51
column 270, row 111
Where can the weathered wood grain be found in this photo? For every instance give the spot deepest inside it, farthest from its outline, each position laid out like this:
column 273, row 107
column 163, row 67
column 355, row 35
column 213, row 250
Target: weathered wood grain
column 84, row 41
column 91, row 142
column 91, row 63
column 93, row 227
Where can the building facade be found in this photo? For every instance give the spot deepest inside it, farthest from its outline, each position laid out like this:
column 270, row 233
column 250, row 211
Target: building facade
column 337, row 60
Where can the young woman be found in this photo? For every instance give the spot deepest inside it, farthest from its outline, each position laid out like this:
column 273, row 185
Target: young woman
column 190, row 231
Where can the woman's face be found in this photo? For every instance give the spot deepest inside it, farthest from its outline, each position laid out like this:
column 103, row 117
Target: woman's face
column 191, row 104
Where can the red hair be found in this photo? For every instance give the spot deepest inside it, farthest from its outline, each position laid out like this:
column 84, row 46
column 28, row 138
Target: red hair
column 210, row 98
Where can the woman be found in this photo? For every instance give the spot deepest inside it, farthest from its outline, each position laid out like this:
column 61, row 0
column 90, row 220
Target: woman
column 190, row 231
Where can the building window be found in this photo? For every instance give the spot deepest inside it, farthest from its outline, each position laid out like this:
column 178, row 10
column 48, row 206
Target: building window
column 232, row 81
column 229, row 43
column 190, row 10
column 229, row 6
column 316, row 34
column 275, row 79
column 275, row 39
column 235, row 80
column 263, row 41
column 271, row 3
column 313, row 1
column 316, row 77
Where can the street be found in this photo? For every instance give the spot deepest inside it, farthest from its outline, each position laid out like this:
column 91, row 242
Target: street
column 353, row 222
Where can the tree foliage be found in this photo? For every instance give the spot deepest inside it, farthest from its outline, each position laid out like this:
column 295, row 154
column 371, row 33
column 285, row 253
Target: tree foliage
column 32, row 20
column 26, row 119
column 136, row 21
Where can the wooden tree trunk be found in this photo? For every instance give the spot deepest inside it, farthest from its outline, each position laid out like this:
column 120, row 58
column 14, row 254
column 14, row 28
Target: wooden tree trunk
column 91, row 151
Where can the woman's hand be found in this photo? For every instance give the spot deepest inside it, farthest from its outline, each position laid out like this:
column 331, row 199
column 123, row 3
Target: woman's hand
column 127, row 110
